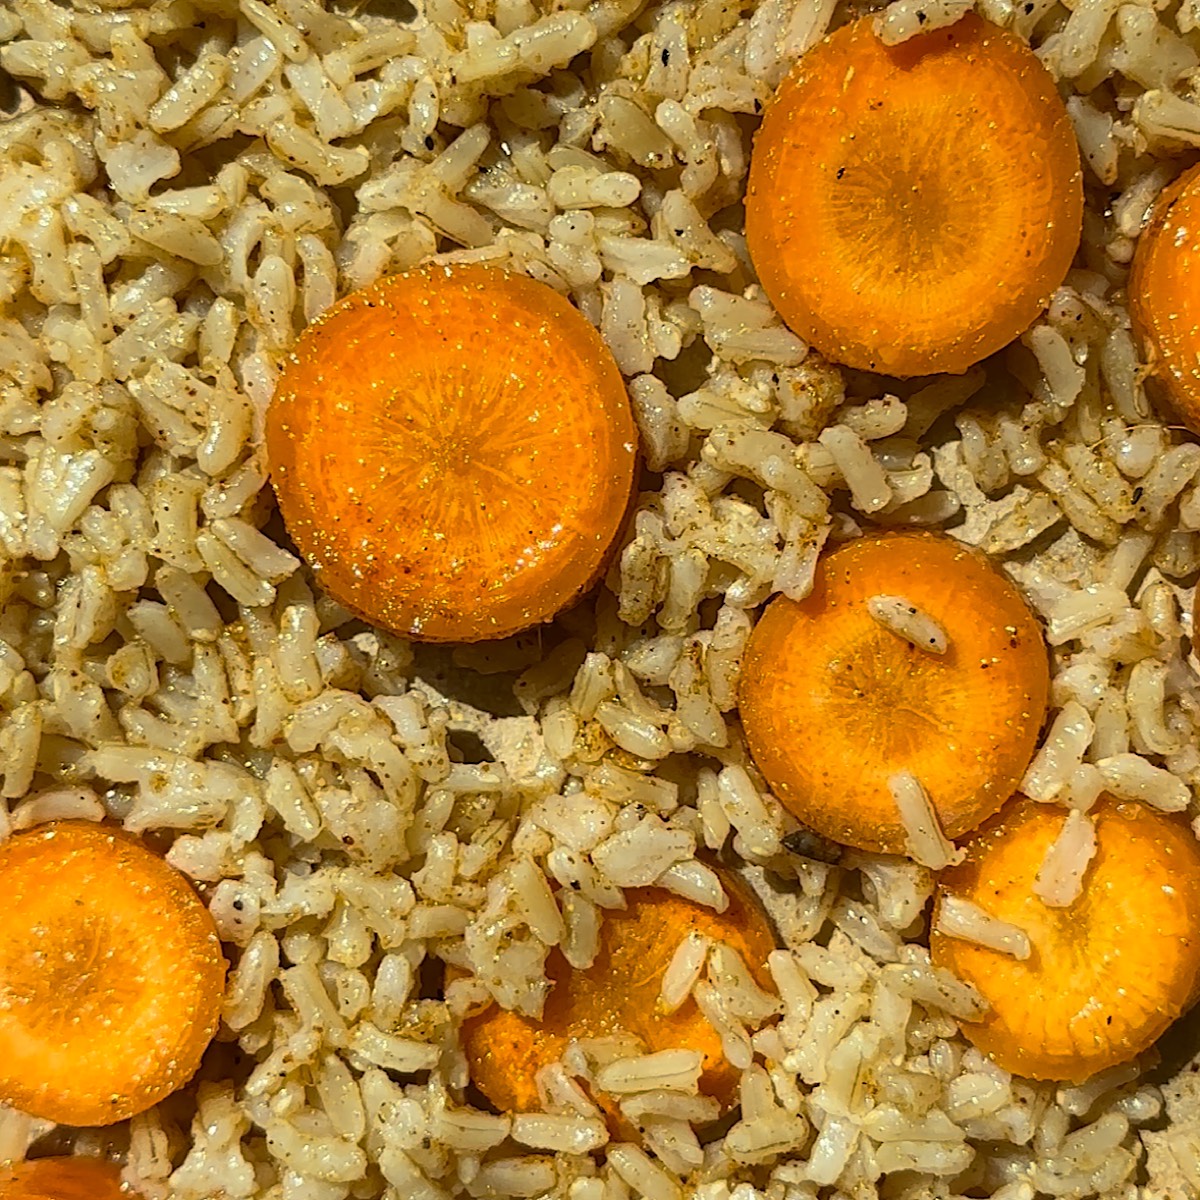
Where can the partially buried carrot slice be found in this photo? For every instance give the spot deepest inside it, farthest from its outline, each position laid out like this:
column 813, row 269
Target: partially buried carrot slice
column 619, row 994
column 1164, row 296
column 911, row 208
column 453, row 451
column 1106, row 974
column 111, row 975
column 62, row 1179
column 837, row 702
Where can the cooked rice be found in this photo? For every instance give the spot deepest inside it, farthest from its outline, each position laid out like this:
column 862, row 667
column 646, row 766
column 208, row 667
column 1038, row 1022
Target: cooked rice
column 191, row 184
column 964, row 919
column 922, row 830
column 907, row 621
column 1059, row 882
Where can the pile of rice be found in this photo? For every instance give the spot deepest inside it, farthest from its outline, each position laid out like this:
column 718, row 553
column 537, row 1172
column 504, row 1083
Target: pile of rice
column 187, row 183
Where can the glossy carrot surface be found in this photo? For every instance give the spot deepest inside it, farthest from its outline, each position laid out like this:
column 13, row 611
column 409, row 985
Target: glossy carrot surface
column 911, row 208
column 111, row 975
column 453, row 451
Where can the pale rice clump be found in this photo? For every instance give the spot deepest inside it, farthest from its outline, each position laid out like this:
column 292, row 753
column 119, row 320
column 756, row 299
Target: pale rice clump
column 185, row 185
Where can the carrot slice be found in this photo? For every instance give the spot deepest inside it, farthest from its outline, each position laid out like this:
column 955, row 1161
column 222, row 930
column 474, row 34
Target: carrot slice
column 1107, row 974
column 62, row 1179
column 1163, row 299
column 111, row 975
column 835, row 704
column 911, row 208
column 619, row 994
column 453, row 451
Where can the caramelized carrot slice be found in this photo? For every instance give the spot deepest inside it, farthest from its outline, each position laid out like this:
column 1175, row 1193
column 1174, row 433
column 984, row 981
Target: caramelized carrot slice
column 1163, row 299
column 111, row 975
column 619, row 994
column 835, row 704
column 62, row 1179
column 911, row 208
column 453, row 452
column 1107, row 974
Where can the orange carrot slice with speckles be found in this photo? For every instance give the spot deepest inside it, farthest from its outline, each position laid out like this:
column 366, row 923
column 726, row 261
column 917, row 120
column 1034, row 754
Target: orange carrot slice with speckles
column 453, row 451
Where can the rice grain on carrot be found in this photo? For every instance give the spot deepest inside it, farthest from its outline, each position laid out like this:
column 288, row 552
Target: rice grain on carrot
column 620, row 994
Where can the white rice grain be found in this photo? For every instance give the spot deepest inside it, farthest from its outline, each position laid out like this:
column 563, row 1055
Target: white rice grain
column 683, row 971
column 671, row 1070
column 1131, row 777
column 642, row 1174
column 1060, row 754
column 926, row 841
column 903, row 19
column 960, row 918
column 905, row 620
column 1059, row 881
column 561, row 1134
column 866, row 479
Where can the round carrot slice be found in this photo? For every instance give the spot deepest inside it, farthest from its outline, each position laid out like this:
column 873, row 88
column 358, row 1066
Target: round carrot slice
column 619, row 994
column 1164, row 301
column 453, row 451
column 111, row 975
column 62, row 1179
column 911, row 208
column 835, row 704
column 1107, row 974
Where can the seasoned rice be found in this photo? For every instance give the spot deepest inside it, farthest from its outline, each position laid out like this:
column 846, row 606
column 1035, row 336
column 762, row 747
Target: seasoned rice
column 184, row 186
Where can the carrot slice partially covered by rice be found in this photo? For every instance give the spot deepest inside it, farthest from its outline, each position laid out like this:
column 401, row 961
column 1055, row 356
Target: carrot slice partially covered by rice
column 619, row 995
column 62, row 1179
column 111, row 975
column 1105, row 974
column 911, row 208
column 1164, row 300
column 453, row 451
column 844, row 692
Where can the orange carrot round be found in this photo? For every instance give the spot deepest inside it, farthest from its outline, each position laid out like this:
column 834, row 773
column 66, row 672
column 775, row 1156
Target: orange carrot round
column 62, row 1179
column 1163, row 300
column 911, row 208
column 619, row 994
column 1107, row 974
column 111, row 975
column 453, row 451
column 835, row 704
